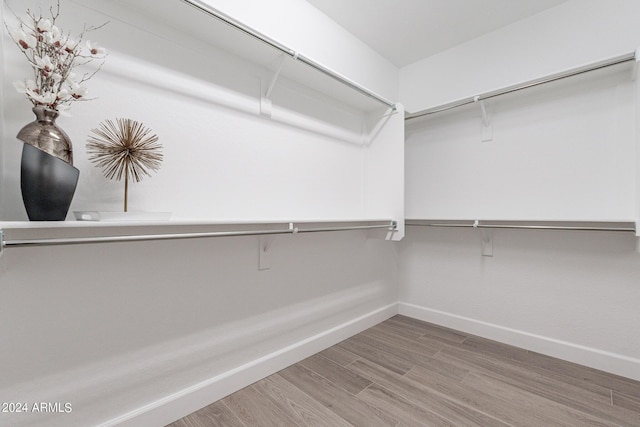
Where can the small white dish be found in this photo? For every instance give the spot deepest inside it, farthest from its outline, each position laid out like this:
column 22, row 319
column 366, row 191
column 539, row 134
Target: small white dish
column 121, row 216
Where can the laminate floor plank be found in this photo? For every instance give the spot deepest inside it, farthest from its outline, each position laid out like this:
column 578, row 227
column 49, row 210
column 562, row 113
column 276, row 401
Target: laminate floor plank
column 622, row 400
column 460, row 414
column 399, row 329
column 342, row 403
column 403, row 328
column 544, row 386
column 553, row 365
column 299, row 406
column 215, row 415
column 469, row 359
column 584, row 373
column 515, row 413
column 523, row 375
column 406, row 372
column 339, row 355
column 429, row 329
column 493, row 348
column 340, row 376
column 540, row 410
column 364, row 349
column 255, row 409
column 416, row 353
column 409, row 413
column 401, row 344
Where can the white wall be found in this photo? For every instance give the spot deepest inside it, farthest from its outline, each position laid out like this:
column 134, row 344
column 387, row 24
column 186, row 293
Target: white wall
column 144, row 333
column 223, row 160
column 383, row 190
column 568, row 294
column 574, row 33
column 119, row 329
column 563, row 151
column 300, row 26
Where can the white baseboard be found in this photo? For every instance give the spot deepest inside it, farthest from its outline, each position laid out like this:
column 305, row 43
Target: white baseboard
column 598, row 359
column 178, row 405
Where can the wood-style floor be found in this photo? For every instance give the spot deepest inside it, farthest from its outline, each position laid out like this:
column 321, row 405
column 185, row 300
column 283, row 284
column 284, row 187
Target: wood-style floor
column 404, row 372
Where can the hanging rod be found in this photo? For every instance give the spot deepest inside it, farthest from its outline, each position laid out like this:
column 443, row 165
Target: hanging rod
column 476, row 224
column 203, row 7
column 509, row 89
column 392, row 226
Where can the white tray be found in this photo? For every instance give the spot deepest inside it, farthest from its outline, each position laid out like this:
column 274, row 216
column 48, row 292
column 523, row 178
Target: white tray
column 121, row 216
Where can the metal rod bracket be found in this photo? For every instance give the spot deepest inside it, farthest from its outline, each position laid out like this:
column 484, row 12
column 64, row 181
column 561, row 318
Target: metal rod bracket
column 1, row 243
column 487, row 239
column 487, row 242
column 266, row 105
column 264, row 254
column 487, row 126
column 483, row 110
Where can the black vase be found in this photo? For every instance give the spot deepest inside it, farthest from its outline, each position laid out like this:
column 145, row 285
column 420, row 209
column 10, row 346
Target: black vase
column 47, row 185
column 47, row 177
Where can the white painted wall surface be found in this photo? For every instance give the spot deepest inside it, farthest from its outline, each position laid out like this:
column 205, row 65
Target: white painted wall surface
column 636, row 90
column 574, row 33
column 383, row 190
column 568, row 294
column 223, row 159
column 120, row 329
column 300, row 26
column 564, row 151
column 143, row 333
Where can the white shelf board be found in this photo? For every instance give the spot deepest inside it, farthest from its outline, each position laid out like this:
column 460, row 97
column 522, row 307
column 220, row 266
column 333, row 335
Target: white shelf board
column 10, row 225
column 211, row 31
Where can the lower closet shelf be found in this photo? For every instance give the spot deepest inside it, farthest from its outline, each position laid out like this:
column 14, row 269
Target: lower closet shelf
column 22, row 234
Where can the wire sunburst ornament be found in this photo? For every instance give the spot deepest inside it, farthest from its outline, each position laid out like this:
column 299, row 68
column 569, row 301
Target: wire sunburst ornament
column 124, row 148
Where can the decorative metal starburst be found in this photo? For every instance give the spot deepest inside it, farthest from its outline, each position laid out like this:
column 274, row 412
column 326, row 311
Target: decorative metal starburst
column 124, row 148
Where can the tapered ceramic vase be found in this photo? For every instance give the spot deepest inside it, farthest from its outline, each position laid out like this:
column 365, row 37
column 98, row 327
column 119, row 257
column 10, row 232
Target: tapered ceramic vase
column 48, row 179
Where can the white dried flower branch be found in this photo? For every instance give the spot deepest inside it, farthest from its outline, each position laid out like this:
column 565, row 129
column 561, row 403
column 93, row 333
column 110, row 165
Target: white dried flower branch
column 53, row 56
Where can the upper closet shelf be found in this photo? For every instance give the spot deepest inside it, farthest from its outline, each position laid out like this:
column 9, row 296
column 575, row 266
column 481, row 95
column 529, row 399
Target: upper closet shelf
column 622, row 59
column 206, row 24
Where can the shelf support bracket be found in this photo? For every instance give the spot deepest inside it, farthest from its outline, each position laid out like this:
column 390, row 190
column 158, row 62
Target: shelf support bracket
column 371, row 135
column 265, row 99
column 487, row 126
column 487, row 243
column 264, row 254
column 486, row 238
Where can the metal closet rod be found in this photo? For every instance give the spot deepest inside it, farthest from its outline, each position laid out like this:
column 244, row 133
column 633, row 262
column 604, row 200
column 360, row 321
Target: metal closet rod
column 548, row 79
column 201, row 6
column 392, row 226
column 522, row 227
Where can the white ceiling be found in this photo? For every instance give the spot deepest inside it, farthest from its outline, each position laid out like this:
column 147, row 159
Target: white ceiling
column 405, row 31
